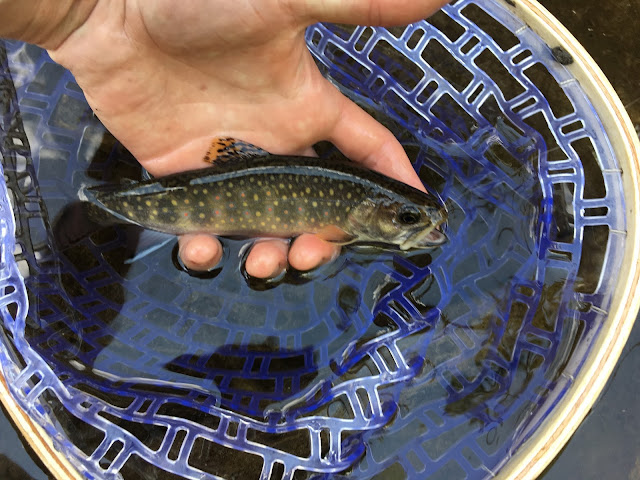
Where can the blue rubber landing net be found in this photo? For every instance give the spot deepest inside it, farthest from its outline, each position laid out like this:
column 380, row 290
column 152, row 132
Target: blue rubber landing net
column 430, row 364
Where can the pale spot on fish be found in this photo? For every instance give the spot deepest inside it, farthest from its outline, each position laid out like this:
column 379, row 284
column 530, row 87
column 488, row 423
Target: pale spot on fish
column 228, row 194
column 331, row 191
column 201, row 215
column 186, row 201
column 174, row 203
column 201, row 204
column 315, row 204
column 258, row 214
column 255, row 197
column 308, row 190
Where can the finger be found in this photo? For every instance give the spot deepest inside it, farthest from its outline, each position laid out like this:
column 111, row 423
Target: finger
column 361, row 138
column 309, row 251
column 365, row 12
column 267, row 258
column 199, row 252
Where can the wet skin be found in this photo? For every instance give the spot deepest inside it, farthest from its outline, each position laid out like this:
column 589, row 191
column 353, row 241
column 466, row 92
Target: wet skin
column 164, row 81
column 257, row 194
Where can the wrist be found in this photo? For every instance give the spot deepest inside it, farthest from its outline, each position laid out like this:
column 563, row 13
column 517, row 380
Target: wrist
column 47, row 23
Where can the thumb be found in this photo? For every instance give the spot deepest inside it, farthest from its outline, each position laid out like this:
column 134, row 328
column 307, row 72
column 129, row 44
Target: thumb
column 362, row 139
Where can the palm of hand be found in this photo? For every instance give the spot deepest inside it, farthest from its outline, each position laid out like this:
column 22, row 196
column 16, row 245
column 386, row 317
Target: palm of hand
column 165, row 78
column 176, row 77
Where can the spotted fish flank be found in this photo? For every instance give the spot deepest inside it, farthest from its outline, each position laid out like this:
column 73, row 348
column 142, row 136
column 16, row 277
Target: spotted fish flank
column 249, row 192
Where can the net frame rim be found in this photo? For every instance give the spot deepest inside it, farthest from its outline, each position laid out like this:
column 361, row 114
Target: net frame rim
column 536, row 454
column 530, row 460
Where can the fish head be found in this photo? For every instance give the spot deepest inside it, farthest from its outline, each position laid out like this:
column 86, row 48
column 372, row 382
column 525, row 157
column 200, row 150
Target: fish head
column 403, row 223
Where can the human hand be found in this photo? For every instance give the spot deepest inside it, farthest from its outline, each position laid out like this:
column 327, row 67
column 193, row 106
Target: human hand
column 166, row 77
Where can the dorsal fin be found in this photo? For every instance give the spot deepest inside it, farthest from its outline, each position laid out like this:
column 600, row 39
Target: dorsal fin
column 224, row 149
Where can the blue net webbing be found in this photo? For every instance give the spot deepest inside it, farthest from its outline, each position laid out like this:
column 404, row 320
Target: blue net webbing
column 431, row 364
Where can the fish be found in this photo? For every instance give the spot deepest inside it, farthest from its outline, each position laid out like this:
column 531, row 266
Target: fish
column 249, row 192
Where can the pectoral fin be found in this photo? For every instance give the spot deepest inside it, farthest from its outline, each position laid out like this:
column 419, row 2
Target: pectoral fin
column 334, row 234
column 224, row 149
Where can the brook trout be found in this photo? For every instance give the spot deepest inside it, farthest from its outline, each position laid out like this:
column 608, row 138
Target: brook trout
column 251, row 193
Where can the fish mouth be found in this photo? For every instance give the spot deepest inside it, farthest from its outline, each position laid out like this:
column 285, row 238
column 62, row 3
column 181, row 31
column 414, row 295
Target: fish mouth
column 432, row 236
column 429, row 237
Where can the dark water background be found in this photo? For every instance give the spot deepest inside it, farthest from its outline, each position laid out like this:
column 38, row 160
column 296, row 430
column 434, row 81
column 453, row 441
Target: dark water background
column 606, row 445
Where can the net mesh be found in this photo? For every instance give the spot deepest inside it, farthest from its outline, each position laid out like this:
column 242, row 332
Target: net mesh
column 404, row 365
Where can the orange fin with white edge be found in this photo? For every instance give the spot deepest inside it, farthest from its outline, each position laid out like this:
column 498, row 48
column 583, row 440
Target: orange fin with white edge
column 224, row 149
column 334, row 234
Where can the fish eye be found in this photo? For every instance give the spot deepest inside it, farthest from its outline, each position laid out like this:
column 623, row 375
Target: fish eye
column 409, row 215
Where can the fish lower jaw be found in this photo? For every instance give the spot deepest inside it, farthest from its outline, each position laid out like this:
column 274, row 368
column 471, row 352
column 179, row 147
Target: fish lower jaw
column 417, row 239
